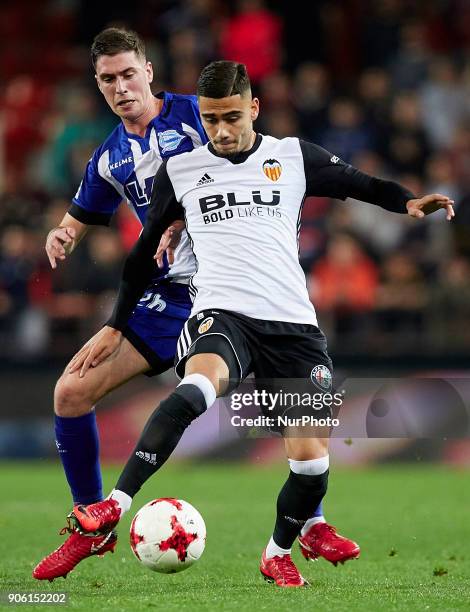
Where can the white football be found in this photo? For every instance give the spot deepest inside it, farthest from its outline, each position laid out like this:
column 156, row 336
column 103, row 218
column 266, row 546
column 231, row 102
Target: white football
column 168, row 535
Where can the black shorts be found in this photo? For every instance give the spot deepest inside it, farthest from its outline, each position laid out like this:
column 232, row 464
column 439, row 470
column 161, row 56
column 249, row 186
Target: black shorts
column 270, row 350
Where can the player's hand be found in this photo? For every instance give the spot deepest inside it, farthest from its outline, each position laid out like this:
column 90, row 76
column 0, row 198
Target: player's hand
column 168, row 243
column 97, row 349
column 58, row 243
column 428, row 204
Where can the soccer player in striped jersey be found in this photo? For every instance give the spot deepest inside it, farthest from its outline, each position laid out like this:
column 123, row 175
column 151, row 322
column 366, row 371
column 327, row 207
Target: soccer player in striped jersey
column 151, row 129
column 241, row 197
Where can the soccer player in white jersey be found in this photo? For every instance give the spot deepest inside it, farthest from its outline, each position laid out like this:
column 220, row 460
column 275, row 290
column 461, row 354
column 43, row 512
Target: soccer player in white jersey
column 241, row 197
column 152, row 129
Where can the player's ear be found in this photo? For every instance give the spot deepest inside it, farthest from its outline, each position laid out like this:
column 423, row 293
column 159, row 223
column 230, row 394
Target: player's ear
column 254, row 109
column 149, row 71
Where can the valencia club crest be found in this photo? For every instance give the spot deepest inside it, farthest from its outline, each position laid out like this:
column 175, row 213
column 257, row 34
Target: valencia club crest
column 272, row 169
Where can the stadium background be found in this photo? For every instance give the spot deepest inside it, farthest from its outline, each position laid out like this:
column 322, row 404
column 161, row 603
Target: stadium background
column 385, row 85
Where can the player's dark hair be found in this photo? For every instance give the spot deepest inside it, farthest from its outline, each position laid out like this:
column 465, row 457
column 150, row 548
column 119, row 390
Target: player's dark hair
column 116, row 40
column 222, row 79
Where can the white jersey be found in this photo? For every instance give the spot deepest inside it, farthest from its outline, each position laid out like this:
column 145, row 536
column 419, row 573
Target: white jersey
column 243, row 219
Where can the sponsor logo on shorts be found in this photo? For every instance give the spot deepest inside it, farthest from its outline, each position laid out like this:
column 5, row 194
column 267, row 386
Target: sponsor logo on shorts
column 205, row 325
column 321, row 376
column 272, row 169
column 199, row 316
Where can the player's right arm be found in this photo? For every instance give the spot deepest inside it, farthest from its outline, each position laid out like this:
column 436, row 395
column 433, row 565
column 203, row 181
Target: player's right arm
column 94, row 204
column 63, row 239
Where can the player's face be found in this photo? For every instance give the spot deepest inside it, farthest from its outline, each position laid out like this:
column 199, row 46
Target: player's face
column 124, row 80
column 229, row 122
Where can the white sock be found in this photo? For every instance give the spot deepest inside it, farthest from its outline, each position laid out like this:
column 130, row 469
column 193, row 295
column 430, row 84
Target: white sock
column 273, row 550
column 310, row 522
column 203, row 384
column 123, row 499
column 311, row 467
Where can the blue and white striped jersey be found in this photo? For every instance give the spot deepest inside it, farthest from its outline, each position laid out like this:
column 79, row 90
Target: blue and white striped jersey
column 124, row 166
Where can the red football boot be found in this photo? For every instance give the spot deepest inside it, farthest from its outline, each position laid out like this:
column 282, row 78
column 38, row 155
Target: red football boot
column 77, row 546
column 282, row 571
column 322, row 540
column 102, row 516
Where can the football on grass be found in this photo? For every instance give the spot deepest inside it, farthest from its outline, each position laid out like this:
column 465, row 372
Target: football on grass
column 168, row 535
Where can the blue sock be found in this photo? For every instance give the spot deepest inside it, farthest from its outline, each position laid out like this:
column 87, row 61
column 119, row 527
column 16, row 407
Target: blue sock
column 78, row 445
column 318, row 511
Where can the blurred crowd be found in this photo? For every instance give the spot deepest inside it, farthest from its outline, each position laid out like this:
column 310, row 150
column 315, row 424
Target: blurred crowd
column 383, row 84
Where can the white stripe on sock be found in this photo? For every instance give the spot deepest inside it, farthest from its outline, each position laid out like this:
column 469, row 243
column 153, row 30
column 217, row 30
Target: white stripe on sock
column 203, row 384
column 311, row 467
column 273, row 550
column 123, row 499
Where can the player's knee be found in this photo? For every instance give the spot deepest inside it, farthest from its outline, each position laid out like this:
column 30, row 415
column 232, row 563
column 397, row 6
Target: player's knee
column 71, row 396
column 212, row 367
column 306, row 449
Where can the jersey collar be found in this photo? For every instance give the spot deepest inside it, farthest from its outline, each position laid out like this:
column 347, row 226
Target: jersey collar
column 241, row 157
column 166, row 106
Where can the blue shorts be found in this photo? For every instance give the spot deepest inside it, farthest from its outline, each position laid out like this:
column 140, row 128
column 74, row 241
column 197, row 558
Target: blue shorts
column 155, row 325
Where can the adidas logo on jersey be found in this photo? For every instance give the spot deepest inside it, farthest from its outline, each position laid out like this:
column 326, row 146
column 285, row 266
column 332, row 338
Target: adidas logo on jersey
column 150, row 458
column 204, row 180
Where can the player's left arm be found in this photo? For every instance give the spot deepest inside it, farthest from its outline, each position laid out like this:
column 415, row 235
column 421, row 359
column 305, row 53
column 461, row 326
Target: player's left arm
column 138, row 271
column 327, row 175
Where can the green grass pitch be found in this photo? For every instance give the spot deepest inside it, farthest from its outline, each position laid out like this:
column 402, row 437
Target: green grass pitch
column 411, row 522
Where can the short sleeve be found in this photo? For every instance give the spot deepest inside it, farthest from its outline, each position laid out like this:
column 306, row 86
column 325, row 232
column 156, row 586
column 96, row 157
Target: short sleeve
column 96, row 199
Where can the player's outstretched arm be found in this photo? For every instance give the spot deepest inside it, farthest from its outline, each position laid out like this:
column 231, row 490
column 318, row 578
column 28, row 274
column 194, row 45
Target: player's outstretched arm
column 327, row 175
column 63, row 239
column 420, row 207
